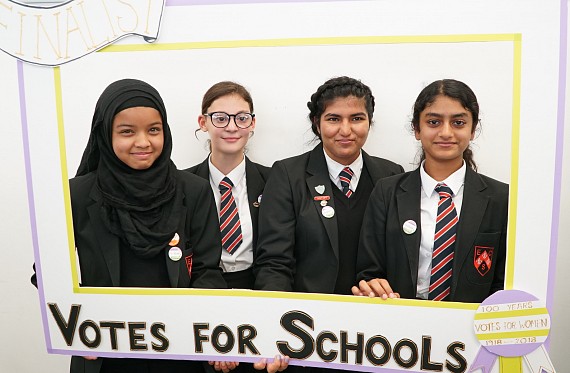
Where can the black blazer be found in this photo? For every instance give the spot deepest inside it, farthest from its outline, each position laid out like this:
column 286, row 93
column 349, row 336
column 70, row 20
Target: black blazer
column 98, row 248
column 385, row 251
column 298, row 246
column 256, row 176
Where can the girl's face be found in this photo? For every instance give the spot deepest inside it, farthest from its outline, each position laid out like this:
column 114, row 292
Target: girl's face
column 230, row 140
column 445, row 129
column 137, row 136
column 344, row 127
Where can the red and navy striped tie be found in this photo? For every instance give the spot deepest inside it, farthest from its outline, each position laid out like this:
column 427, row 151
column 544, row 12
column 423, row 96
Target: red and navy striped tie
column 229, row 218
column 345, row 177
column 443, row 246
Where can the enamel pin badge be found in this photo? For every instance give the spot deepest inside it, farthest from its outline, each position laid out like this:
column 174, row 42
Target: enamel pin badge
column 174, row 240
column 174, row 253
column 323, row 199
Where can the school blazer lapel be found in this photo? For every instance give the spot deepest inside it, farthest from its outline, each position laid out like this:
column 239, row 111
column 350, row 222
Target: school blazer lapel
column 174, row 267
column 108, row 243
column 255, row 185
column 472, row 211
column 408, row 199
column 203, row 170
column 319, row 176
column 373, row 170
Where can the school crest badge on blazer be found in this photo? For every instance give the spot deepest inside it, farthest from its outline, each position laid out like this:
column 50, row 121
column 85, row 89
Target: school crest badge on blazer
column 189, row 264
column 483, row 259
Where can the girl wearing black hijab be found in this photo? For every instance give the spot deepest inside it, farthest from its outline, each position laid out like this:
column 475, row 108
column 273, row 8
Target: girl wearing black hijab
column 138, row 221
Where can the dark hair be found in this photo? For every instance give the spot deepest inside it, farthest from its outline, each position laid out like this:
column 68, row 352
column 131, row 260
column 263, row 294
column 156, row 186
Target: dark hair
column 222, row 89
column 342, row 86
column 453, row 89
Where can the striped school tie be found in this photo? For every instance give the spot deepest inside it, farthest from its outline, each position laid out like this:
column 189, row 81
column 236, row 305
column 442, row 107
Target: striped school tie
column 229, row 218
column 345, row 177
column 443, row 246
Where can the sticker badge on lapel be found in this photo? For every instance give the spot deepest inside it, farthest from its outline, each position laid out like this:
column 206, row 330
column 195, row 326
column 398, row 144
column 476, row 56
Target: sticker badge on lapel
column 320, row 189
column 175, row 254
column 483, row 259
column 258, row 202
column 328, row 212
column 409, row 227
column 174, row 241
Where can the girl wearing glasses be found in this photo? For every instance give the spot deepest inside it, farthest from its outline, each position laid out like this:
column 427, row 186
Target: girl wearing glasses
column 438, row 232
column 227, row 116
column 137, row 219
column 313, row 203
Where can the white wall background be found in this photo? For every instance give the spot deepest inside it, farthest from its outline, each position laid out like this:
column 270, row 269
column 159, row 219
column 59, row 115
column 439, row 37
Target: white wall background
column 22, row 346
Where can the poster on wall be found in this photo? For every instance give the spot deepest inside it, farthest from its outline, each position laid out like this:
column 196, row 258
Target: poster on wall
column 67, row 53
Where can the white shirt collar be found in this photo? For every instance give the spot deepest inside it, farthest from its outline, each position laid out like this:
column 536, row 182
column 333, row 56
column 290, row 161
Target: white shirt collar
column 335, row 168
column 235, row 175
column 454, row 181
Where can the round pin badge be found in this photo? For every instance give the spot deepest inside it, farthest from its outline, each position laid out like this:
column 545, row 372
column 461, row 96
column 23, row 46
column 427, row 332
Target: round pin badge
column 175, row 254
column 174, row 241
column 328, row 212
column 409, row 227
column 324, row 203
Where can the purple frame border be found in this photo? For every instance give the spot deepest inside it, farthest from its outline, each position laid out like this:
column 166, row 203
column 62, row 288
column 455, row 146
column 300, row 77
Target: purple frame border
column 562, row 71
column 31, row 203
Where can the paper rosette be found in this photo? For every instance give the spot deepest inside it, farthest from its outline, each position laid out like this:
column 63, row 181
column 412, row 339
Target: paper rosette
column 512, row 325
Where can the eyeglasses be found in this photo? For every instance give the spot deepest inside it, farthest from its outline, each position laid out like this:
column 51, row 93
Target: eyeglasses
column 221, row 120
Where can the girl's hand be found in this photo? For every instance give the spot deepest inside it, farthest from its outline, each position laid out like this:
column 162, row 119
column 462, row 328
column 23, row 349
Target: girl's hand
column 278, row 364
column 378, row 287
column 223, row 366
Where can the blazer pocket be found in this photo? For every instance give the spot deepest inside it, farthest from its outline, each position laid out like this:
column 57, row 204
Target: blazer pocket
column 481, row 263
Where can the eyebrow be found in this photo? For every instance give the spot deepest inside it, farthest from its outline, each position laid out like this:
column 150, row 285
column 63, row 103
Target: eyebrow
column 352, row 115
column 438, row 115
column 223, row 112
column 126, row 124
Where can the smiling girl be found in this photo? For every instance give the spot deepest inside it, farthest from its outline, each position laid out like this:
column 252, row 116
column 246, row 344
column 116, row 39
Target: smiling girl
column 138, row 221
column 228, row 118
column 438, row 232
column 313, row 203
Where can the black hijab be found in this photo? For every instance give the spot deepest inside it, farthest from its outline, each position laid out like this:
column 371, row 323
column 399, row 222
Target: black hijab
column 142, row 207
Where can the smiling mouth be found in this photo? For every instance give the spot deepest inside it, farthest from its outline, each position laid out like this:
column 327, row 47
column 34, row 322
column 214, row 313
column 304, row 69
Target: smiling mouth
column 142, row 155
